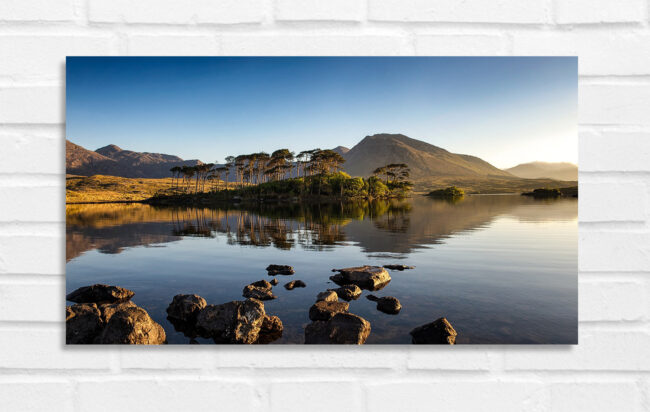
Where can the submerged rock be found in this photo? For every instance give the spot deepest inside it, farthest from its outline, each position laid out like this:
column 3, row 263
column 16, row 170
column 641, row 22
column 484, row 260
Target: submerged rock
column 387, row 304
column 132, row 325
column 232, row 322
column 439, row 331
column 398, row 267
column 280, row 270
column 99, row 294
column 327, row 296
column 295, row 284
column 83, row 322
column 348, row 292
column 259, row 290
column 366, row 277
column 185, row 308
column 323, row 310
column 342, row 328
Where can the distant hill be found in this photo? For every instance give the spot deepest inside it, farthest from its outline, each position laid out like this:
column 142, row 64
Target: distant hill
column 341, row 150
column 425, row 160
column 114, row 161
column 538, row 170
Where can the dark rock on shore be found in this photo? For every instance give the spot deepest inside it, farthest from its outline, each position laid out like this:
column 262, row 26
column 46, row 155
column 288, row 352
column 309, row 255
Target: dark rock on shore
column 366, row 277
column 342, row 328
column 323, row 310
column 280, row 270
column 398, row 267
column 387, row 304
column 348, row 292
column 260, row 290
column 235, row 322
column 132, row 325
column 439, row 331
column 100, row 294
column 327, row 296
column 185, row 308
column 83, row 323
column 295, row 284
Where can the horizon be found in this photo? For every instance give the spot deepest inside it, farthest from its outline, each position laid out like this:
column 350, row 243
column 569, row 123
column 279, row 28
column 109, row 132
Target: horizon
column 209, row 108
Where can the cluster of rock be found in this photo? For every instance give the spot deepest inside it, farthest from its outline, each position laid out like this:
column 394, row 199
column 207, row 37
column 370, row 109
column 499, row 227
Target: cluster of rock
column 236, row 322
column 104, row 314
column 332, row 324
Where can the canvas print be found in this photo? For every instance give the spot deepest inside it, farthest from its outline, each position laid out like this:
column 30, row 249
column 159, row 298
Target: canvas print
column 321, row 200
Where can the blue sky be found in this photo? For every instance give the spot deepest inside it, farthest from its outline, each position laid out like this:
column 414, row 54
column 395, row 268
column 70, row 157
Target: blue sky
column 506, row 110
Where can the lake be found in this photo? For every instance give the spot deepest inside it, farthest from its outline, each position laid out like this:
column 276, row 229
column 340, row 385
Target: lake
column 501, row 268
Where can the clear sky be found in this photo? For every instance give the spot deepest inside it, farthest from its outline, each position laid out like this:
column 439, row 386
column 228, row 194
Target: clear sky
column 506, row 110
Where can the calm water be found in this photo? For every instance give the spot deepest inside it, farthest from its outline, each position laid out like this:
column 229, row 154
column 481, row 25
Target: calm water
column 500, row 268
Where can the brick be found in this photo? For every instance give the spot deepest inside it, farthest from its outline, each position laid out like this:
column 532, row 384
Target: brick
column 614, row 151
column 26, row 204
column 626, row 201
column 168, row 394
column 614, row 104
column 46, row 105
column 32, row 302
column 314, row 10
column 599, row 11
column 248, row 44
column 613, row 251
column 28, row 348
column 173, row 12
column 348, row 396
column 471, row 11
column 37, row 10
column 32, row 254
column 612, row 301
column 460, row 45
column 464, row 396
column 31, row 152
column 30, row 395
column 163, row 45
column 457, row 358
column 599, row 53
column 595, row 396
column 370, row 357
column 600, row 349
column 37, row 57
column 161, row 358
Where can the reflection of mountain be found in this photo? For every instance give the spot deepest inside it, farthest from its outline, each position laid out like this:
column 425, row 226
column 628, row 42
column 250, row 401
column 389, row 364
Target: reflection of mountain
column 377, row 227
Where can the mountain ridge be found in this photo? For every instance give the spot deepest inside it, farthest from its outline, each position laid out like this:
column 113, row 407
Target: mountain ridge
column 549, row 170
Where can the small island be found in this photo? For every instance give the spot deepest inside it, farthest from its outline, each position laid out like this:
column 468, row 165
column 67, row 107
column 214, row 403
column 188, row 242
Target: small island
column 451, row 192
column 550, row 193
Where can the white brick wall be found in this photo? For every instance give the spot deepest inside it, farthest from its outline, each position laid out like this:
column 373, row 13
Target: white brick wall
column 609, row 369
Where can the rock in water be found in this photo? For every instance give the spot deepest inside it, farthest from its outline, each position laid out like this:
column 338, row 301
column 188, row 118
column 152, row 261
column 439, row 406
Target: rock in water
column 295, row 284
column 100, row 294
column 366, row 277
column 132, row 325
column 398, row 267
column 323, row 310
column 232, row 322
column 259, row 290
column 280, row 270
column 327, row 296
column 271, row 330
column 185, row 308
column 387, row 304
column 83, row 323
column 109, row 309
column 348, row 292
column 274, row 282
column 439, row 331
column 343, row 328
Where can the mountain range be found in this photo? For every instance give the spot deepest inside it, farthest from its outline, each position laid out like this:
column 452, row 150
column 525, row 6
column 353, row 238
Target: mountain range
column 114, row 161
column 538, row 170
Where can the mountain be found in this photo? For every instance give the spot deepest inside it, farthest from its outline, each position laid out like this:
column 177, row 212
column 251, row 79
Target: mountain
column 425, row 160
column 114, row 161
column 537, row 170
column 342, row 150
